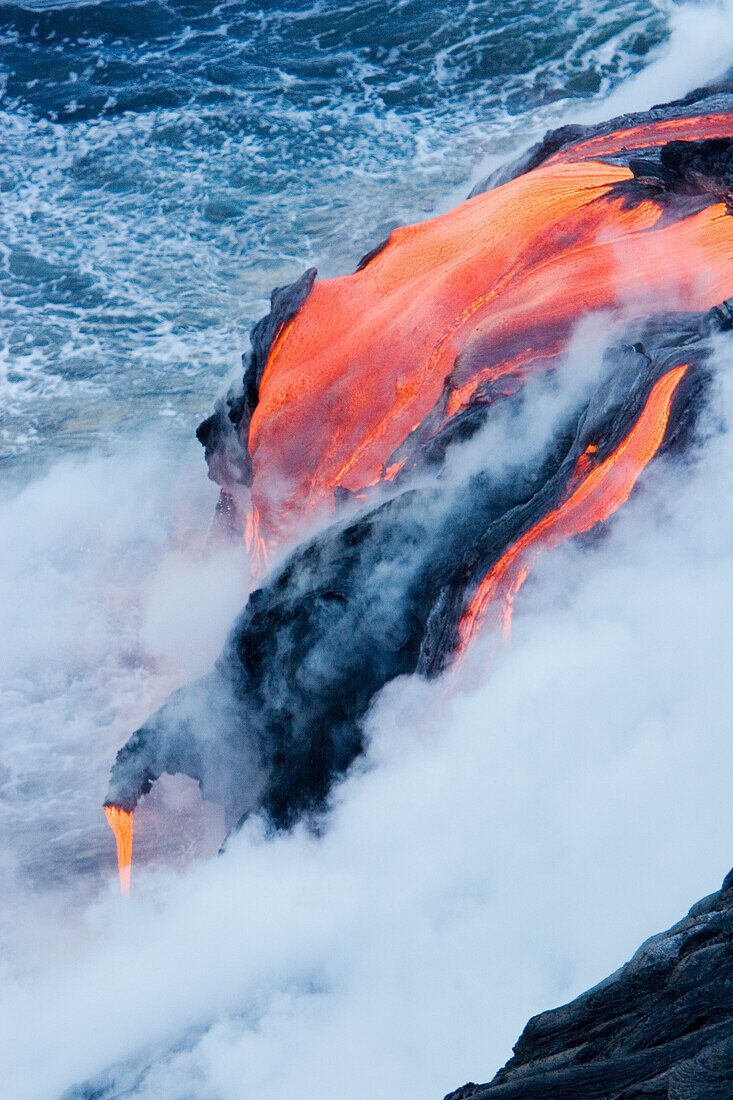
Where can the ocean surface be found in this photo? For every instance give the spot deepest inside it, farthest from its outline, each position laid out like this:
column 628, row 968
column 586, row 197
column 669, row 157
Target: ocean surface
column 163, row 166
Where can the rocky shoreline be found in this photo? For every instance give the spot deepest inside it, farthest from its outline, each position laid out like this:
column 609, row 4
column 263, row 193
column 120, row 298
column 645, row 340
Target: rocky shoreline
column 660, row 1028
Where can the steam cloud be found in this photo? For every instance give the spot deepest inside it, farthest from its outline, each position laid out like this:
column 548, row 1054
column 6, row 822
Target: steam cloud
column 509, row 844
column 505, row 843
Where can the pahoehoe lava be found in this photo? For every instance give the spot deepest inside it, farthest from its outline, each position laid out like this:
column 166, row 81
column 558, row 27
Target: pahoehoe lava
column 359, row 389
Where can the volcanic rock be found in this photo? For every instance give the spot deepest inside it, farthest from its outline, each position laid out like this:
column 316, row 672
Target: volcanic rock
column 660, row 1028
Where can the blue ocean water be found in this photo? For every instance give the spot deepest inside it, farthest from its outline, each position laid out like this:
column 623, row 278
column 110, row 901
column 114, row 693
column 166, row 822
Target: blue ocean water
column 164, row 165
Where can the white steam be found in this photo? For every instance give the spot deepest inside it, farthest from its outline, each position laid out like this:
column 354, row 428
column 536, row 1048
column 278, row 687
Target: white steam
column 699, row 50
column 511, row 841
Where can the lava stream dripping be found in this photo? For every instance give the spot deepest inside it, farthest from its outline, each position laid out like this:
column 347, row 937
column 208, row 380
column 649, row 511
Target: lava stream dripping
column 120, row 821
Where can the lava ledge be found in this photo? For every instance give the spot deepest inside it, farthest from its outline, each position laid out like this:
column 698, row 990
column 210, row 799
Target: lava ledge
column 660, row 1028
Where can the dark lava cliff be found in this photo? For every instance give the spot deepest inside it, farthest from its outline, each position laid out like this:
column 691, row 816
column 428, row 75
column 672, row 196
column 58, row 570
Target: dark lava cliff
column 660, row 1028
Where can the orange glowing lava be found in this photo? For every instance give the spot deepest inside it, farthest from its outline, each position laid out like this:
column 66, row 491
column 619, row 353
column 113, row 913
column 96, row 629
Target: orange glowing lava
column 490, row 289
column 120, row 822
column 647, row 135
column 256, row 545
column 597, row 491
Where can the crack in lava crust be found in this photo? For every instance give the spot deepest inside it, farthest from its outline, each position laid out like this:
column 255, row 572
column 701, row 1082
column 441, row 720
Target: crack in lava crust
column 602, row 490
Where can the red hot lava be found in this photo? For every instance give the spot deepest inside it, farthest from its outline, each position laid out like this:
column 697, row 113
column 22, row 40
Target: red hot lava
column 120, row 821
column 648, row 135
column 597, row 492
column 490, row 289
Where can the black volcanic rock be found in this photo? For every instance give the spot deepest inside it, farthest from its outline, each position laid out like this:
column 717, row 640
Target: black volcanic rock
column 223, row 435
column 660, row 1028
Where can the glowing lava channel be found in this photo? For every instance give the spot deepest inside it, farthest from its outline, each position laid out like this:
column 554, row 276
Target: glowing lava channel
column 647, row 135
column 598, row 495
column 120, row 822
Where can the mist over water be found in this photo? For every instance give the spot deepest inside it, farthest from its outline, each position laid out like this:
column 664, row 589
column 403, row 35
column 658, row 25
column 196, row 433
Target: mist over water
column 508, row 841
column 511, row 838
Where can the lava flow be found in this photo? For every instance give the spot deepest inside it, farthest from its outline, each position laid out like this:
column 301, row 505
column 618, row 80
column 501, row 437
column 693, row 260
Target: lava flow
column 120, row 822
column 602, row 489
column 648, row 135
column 379, row 378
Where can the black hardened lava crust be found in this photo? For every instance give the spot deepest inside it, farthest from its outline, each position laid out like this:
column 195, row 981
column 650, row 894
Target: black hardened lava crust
column 660, row 1028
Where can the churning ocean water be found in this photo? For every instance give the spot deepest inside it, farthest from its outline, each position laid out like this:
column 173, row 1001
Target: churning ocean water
column 162, row 167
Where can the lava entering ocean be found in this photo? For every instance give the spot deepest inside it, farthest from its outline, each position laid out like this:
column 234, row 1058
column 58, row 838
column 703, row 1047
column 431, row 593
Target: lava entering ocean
column 120, row 822
column 361, row 389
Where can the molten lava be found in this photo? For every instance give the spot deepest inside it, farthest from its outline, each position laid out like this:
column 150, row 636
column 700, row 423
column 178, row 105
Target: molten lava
column 492, row 288
column 599, row 490
column 648, row 135
column 120, row 822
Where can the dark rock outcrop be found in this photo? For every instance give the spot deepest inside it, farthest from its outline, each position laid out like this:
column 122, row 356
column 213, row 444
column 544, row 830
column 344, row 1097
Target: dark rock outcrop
column 223, row 435
column 660, row 1028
